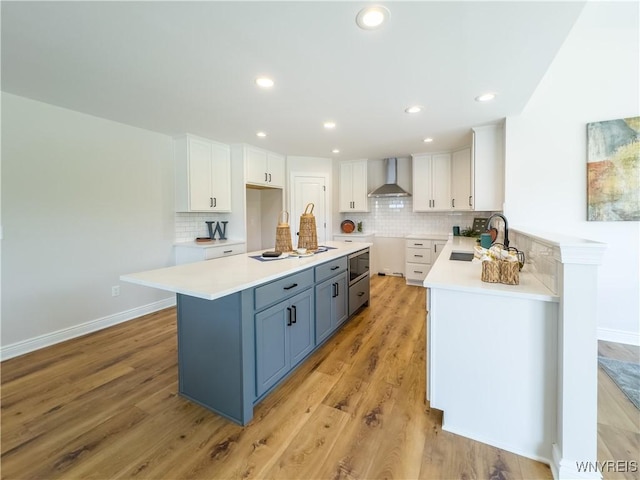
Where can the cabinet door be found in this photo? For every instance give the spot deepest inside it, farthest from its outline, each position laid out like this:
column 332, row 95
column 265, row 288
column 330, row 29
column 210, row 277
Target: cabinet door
column 421, row 183
column 461, row 180
column 359, row 187
column 200, row 198
column 301, row 331
column 272, row 354
column 221, row 178
column 340, row 307
column 488, row 167
column 438, row 245
column 346, row 191
column 324, row 319
column 275, row 170
column 256, row 166
column 441, row 181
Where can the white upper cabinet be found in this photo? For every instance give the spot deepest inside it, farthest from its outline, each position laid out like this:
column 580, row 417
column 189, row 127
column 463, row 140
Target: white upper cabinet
column 461, row 194
column 431, row 182
column 264, row 168
column 488, row 167
column 353, row 186
column 203, row 175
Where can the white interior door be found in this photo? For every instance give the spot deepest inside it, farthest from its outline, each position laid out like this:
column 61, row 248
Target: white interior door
column 308, row 189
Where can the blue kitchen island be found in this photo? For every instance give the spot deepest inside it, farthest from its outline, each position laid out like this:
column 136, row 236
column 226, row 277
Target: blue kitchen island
column 245, row 323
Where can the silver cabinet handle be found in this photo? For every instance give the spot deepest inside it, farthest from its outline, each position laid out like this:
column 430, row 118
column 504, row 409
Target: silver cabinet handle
column 470, row 200
column 215, row 202
column 453, row 203
column 265, row 176
column 227, row 251
column 211, row 201
column 269, row 178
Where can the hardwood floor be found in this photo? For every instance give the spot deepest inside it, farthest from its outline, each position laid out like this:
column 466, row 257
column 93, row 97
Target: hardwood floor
column 106, row 406
column 618, row 418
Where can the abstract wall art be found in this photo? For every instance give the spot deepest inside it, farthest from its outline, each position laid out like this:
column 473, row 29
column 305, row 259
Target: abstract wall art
column 613, row 170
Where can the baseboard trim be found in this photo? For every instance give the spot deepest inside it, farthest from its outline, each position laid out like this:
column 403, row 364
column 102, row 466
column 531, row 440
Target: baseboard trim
column 500, row 445
column 48, row 339
column 618, row 336
column 564, row 469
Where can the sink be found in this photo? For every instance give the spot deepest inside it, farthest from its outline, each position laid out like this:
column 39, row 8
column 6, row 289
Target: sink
column 462, row 256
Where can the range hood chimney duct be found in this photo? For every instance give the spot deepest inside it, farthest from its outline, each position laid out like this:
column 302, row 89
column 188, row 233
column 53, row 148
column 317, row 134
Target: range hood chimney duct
column 391, row 187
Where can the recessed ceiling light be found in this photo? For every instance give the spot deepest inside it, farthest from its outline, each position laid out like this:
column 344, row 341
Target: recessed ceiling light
column 485, row 97
column 372, row 17
column 413, row 109
column 335, row 150
column 329, row 125
column 264, row 82
column 261, row 134
column 428, row 140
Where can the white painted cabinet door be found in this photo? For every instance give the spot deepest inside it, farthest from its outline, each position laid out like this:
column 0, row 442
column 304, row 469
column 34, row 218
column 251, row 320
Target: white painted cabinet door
column 461, row 180
column 275, row 170
column 441, row 181
column 359, row 187
column 256, row 166
column 488, row 167
column 221, row 177
column 421, row 183
column 353, row 187
column 200, row 171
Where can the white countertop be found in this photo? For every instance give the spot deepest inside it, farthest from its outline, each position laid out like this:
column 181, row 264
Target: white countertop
column 209, row 244
column 465, row 276
column 216, row 278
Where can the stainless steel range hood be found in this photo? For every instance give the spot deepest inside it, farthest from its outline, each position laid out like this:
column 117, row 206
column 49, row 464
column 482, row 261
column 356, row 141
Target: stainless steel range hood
column 391, row 187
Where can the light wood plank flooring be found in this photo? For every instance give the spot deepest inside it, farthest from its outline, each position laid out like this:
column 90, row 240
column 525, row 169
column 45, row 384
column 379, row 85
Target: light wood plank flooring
column 106, row 406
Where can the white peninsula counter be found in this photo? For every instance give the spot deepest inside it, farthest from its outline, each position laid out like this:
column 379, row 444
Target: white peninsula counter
column 245, row 322
column 496, row 354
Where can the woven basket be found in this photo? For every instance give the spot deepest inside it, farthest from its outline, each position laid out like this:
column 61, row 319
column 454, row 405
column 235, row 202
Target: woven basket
column 283, row 233
column 509, row 272
column 308, row 236
column 490, row 272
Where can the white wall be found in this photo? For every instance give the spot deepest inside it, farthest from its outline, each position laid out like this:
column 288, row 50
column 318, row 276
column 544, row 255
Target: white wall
column 594, row 77
column 84, row 200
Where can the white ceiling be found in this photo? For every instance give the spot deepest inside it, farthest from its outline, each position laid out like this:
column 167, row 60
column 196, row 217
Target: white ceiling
column 176, row 67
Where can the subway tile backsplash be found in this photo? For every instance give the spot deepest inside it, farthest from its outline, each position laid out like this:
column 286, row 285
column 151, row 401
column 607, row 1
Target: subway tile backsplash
column 394, row 217
column 189, row 226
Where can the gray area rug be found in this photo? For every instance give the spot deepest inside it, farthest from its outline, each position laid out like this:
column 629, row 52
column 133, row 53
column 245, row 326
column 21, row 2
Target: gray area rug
column 624, row 374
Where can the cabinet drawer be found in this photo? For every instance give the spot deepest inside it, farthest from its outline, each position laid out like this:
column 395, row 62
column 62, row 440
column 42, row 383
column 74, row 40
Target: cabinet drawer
column 418, row 243
column 358, row 294
column 416, row 272
column 280, row 289
column 218, row 252
column 418, row 255
column 328, row 269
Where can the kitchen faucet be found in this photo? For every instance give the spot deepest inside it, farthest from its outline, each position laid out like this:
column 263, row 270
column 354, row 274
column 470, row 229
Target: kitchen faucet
column 506, row 227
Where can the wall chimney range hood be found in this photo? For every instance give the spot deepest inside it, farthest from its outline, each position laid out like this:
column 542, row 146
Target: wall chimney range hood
column 391, row 187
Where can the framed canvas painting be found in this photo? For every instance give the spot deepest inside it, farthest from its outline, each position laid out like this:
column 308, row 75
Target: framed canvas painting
column 613, row 170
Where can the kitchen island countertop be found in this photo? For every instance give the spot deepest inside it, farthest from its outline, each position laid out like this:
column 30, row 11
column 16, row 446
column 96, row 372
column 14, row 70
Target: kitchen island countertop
column 210, row 280
column 465, row 276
